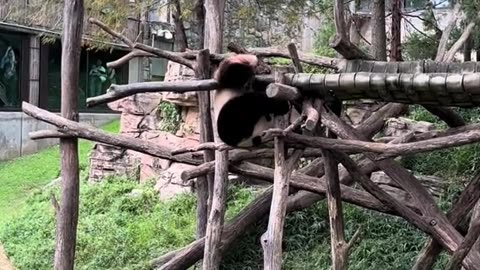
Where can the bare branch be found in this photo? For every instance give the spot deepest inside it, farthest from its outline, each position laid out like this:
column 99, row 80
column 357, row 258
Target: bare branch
column 47, row 134
column 88, row 132
column 110, row 31
column 129, row 56
column 116, row 92
column 442, row 46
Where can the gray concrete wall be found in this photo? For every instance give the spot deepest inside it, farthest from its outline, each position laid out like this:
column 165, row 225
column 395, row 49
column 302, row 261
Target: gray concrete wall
column 15, row 126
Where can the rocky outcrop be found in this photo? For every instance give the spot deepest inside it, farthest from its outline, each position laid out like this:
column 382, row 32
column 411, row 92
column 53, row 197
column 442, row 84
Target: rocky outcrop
column 141, row 117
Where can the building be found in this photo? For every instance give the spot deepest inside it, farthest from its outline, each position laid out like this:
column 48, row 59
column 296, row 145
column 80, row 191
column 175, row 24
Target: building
column 30, row 57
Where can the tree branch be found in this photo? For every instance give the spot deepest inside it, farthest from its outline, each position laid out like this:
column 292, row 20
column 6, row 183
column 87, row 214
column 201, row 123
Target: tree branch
column 111, row 32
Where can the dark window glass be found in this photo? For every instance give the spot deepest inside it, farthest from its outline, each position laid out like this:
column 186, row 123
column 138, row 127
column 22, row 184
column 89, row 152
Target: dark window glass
column 10, row 60
column 94, row 80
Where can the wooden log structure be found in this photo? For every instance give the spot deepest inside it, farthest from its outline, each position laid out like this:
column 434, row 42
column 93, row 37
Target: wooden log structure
column 426, row 83
column 446, row 89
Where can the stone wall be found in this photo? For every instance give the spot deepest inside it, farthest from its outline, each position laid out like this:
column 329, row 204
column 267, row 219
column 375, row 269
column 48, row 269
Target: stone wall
column 141, row 118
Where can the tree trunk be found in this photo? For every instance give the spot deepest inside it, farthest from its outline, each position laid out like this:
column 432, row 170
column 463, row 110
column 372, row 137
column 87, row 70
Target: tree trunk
column 379, row 37
column 396, row 43
column 3, row 9
column 202, row 71
column 214, row 13
column 467, row 50
column 67, row 217
column 215, row 10
column 181, row 43
column 199, row 10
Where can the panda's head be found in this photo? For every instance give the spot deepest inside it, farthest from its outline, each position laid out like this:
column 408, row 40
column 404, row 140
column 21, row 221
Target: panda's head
column 236, row 71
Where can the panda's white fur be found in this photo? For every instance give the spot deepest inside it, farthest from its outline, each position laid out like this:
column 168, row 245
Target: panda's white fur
column 261, row 126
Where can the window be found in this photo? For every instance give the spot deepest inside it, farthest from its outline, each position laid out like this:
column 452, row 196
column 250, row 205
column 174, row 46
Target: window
column 11, row 50
column 94, row 80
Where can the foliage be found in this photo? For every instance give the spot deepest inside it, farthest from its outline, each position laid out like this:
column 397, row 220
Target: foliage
column 122, row 225
column 323, row 38
column 171, row 117
column 419, row 47
column 43, row 166
column 459, row 162
column 48, row 15
column 386, row 242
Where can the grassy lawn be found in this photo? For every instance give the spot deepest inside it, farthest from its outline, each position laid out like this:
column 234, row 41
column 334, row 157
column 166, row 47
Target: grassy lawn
column 19, row 177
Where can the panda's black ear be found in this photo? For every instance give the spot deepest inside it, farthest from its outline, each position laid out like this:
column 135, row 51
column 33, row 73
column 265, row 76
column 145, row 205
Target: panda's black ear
column 236, row 71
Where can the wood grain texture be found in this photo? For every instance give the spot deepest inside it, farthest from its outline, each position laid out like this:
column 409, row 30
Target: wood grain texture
column 67, row 216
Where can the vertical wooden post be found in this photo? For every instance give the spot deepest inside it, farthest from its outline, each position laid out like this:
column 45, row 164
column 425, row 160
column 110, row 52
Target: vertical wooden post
column 213, row 41
column 273, row 237
column 202, row 71
column 335, row 212
column 67, row 217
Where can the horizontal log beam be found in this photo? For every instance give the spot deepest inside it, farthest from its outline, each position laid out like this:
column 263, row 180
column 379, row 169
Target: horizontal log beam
column 88, row 132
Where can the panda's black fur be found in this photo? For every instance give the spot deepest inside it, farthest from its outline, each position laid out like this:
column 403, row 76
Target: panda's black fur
column 243, row 112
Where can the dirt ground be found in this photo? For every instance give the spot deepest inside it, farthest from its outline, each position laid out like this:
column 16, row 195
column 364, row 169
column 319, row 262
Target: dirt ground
column 4, row 262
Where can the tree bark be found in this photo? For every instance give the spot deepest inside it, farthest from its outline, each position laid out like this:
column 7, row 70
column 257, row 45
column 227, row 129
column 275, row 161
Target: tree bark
column 181, row 43
column 67, row 217
column 396, row 43
column 467, row 50
column 442, row 45
column 469, row 196
column 199, row 10
column 202, row 71
column 450, row 55
column 215, row 10
column 443, row 231
column 379, row 36
column 335, row 213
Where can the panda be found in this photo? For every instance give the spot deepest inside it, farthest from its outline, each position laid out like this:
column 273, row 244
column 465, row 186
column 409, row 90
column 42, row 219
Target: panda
column 242, row 110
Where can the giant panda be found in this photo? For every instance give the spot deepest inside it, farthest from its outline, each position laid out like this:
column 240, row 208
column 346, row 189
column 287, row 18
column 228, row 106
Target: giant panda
column 242, row 112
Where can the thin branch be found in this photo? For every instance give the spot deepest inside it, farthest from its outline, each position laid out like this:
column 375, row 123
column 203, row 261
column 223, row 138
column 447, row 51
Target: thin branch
column 459, row 43
column 116, row 92
column 129, row 56
column 355, row 238
column 418, row 30
column 110, row 31
column 175, row 57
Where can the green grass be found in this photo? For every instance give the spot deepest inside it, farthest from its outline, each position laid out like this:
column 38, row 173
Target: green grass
column 116, row 230
column 20, row 176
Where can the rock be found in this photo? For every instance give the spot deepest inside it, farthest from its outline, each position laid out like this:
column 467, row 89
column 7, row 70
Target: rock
column 107, row 160
column 135, row 193
column 177, row 72
column 139, row 104
column 359, row 110
column 136, row 124
column 150, row 166
column 434, row 185
column 191, row 121
column 400, row 126
column 169, row 182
